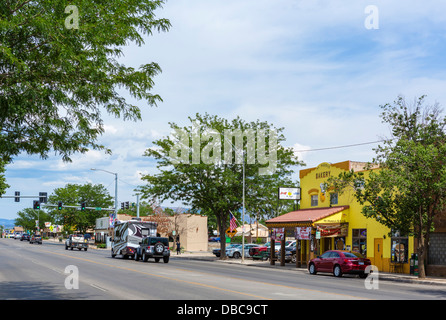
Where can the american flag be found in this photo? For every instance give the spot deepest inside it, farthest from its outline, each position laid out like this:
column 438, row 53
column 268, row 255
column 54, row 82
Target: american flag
column 232, row 222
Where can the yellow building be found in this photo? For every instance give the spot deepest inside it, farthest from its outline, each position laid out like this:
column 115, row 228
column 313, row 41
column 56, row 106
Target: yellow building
column 334, row 221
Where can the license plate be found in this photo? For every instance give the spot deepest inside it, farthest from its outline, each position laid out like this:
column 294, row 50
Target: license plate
column 361, row 262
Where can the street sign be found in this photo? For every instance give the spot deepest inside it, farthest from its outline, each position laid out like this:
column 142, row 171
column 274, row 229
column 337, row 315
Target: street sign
column 230, row 233
column 98, row 208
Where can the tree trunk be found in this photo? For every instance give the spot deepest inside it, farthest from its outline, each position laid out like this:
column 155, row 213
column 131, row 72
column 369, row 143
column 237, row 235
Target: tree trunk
column 421, row 251
column 221, row 222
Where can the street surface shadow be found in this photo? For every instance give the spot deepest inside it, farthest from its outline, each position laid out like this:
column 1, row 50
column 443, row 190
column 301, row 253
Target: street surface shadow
column 31, row 290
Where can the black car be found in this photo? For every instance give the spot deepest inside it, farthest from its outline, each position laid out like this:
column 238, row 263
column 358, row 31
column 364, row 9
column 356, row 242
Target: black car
column 36, row 238
column 25, row 236
column 153, row 247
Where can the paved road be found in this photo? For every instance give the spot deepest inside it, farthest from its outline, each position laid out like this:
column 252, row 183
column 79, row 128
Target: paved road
column 30, row 271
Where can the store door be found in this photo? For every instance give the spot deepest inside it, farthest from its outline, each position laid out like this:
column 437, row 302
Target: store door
column 378, row 253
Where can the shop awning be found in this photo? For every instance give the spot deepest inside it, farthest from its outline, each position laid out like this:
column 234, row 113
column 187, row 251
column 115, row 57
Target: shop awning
column 308, row 217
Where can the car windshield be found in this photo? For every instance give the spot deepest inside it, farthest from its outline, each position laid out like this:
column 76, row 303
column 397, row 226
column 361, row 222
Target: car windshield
column 352, row 255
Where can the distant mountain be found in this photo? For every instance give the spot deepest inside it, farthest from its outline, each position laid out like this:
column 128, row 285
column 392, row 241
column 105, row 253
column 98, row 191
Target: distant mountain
column 7, row 223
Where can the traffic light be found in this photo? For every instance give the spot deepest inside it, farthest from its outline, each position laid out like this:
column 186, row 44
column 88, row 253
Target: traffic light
column 83, row 206
column 36, row 205
column 127, row 205
column 59, row 205
column 122, row 205
column 17, row 196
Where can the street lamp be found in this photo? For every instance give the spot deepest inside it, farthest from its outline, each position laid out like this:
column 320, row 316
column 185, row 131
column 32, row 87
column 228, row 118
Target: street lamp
column 116, row 191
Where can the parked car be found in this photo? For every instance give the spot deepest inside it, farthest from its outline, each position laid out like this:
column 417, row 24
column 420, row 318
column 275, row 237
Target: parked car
column 214, row 239
column 153, row 247
column 236, row 251
column 339, row 262
column 36, row 238
column 25, row 236
column 217, row 251
column 17, row 236
column 255, row 251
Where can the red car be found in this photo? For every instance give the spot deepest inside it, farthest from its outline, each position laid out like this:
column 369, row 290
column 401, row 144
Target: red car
column 339, row 262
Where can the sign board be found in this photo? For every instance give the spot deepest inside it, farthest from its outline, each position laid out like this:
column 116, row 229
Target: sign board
column 289, row 193
column 278, row 234
column 230, row 233
column 303, row 233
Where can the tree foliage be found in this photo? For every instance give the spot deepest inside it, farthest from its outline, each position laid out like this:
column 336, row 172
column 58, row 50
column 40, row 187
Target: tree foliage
column 55, row 80
column 211, row 183
column 74, row 195
column 28, row 216
column 409, row 189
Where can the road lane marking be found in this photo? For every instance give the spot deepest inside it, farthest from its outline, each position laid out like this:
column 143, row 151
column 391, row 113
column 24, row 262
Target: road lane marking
column 211, row 286
column 160, row 276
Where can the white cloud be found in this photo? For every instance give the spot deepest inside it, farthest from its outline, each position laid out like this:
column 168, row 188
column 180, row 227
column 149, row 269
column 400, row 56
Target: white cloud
column 308, row 66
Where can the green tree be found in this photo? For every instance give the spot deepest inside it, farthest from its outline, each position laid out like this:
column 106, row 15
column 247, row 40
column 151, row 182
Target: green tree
column 59, row 69
column 28, row 216
column 199, row 167
column 74, row 195
column 3, row 184
column 409, row 190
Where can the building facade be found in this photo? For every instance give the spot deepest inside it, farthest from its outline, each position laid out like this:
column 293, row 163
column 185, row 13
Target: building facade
column 328, row 220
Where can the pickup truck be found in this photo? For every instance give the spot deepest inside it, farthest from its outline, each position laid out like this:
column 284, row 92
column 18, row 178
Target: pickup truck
column 76, row 241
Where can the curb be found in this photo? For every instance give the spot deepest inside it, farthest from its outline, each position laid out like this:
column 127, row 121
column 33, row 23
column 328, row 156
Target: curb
column 382, row 276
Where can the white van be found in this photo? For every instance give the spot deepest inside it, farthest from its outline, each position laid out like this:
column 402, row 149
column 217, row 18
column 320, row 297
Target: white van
column 128, row 234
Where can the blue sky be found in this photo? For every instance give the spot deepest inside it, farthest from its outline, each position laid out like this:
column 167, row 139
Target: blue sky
column 311, row 67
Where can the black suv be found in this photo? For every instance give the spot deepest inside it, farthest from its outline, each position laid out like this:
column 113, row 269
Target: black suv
column 153, row 247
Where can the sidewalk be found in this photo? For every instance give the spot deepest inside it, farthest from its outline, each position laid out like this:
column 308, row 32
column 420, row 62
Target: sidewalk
column 208, row 256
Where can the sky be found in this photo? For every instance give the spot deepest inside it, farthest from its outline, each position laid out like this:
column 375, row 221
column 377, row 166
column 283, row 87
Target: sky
column 319, row 69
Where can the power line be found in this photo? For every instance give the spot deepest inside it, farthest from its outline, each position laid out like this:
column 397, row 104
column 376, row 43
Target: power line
column 339, row 147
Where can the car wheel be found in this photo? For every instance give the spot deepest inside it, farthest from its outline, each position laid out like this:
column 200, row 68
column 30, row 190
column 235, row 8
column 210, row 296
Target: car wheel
column 312, row 269
column 66, row 247
column 293, row 258
column 166, row 259
column 86, row 249
column 337, row 272
column 112, row 254
column 236, row 255
column 157, row 259
column 363, row 275
column 136, row 256
column 144, row 257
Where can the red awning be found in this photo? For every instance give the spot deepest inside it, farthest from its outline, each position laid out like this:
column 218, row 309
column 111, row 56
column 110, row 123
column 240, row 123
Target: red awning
column 304, row 217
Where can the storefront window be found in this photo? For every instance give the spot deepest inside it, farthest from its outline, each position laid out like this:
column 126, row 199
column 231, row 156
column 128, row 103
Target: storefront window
column 334, row 198
column 399, row 248
column 359, row 241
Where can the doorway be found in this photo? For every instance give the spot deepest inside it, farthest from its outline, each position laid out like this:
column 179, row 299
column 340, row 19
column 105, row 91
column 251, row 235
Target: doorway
column 378, row 253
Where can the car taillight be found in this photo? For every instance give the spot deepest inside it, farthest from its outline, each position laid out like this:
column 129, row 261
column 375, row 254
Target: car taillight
column 347, row 261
